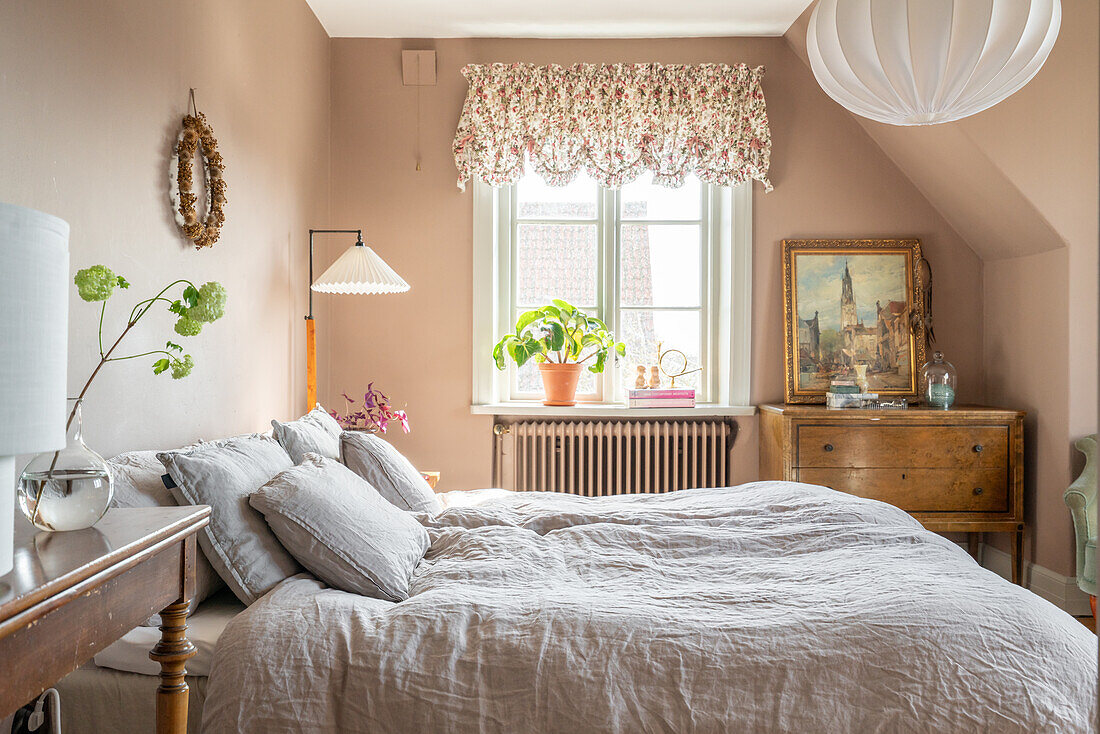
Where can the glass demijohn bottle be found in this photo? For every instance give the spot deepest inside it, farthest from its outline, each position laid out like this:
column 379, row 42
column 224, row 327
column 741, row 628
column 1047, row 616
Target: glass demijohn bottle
column 68, row 489
column 939, row 380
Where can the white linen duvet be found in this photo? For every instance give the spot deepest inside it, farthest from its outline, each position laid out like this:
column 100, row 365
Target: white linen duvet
column 769, row 607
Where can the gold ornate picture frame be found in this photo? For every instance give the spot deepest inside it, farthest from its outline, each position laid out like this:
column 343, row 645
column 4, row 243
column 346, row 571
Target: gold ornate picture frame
column 848, row 309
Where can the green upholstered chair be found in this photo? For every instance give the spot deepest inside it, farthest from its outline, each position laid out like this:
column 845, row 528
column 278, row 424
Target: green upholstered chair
column 1081, row 500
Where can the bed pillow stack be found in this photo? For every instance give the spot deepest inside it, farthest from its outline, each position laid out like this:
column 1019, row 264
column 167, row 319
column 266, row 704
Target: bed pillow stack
column 316, row 432
column 286, row 499
column 238, row 543
column 341, row 529
column 388, row 471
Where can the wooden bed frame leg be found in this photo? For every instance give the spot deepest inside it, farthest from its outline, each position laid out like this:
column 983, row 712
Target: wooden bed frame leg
column 172, row 652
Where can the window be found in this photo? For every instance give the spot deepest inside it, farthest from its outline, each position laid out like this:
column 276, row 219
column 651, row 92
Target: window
column 656, row 264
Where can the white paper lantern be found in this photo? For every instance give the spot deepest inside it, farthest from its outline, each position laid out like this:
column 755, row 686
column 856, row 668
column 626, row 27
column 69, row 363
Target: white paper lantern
column 922, row 62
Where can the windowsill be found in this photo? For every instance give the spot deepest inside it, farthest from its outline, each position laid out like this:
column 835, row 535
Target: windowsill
column 611, row 410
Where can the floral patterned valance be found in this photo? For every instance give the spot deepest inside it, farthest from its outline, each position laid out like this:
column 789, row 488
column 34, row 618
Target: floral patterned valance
column 614, row 121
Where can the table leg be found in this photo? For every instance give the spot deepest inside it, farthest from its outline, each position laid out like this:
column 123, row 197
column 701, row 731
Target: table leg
column 1018, row 557
column 172, row 652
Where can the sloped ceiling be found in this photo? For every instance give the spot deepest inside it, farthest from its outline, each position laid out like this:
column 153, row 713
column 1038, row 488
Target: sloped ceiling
column 1021, row 177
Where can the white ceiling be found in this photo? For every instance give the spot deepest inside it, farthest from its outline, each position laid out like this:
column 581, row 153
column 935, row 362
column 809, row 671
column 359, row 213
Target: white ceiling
column 555, row 18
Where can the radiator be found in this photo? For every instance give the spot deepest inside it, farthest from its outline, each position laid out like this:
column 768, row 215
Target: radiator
column 600, row 458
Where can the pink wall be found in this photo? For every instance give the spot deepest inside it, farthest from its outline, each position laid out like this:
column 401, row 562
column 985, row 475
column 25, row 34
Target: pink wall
column 831, row 181
column 92, row 98
column 1025, row 334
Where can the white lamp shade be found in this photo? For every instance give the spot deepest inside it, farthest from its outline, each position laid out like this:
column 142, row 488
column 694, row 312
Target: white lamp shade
column 34, row 329
column 360, row 271
column 922, row 62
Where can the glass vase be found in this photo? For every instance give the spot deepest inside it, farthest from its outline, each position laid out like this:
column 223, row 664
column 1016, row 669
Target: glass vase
column 939, row 380
column 68, row 489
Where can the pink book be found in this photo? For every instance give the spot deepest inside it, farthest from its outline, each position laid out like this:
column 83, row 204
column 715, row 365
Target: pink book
column 671, row 393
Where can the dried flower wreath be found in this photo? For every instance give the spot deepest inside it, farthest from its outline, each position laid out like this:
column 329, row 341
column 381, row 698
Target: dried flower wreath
column 195, row 132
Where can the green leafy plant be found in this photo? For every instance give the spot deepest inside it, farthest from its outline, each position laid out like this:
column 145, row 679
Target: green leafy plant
column 560, row 334
column 195, row 307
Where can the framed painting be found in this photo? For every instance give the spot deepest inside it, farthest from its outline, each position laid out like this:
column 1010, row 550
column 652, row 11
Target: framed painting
column 848, row 307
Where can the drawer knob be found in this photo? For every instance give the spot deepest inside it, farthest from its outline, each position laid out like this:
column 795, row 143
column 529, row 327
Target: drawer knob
column 978, row 490
column 978, row 448
column 828, row 447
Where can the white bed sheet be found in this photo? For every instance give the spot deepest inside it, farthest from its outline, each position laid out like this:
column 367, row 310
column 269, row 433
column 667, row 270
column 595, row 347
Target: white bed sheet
column 130, row 654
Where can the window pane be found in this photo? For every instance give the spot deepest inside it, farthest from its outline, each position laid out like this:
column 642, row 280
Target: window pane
column 537, row 200
column 528, row 380
column 556, row 261
column 641, row 330
column 645, row 200
column 661, row 265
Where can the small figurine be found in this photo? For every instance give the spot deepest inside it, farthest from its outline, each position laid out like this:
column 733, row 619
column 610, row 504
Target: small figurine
column 654, row 377
column 640, row 381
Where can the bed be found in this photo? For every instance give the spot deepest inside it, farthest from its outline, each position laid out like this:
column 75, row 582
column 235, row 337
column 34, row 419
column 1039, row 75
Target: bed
column 769, row 607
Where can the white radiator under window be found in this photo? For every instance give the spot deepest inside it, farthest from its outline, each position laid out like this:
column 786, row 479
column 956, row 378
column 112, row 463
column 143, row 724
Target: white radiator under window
column 600, row 458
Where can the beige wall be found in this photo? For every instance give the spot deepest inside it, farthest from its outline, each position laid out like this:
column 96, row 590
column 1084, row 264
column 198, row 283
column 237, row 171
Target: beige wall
column 1017, row 180
column 92, row 96
column 830, row 180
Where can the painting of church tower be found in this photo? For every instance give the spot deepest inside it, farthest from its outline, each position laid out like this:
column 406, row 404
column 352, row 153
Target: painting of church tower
column 860, row 343
column 848, row 316
column 852, row 309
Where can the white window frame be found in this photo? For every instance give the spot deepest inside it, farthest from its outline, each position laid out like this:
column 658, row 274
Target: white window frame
column 727, row 262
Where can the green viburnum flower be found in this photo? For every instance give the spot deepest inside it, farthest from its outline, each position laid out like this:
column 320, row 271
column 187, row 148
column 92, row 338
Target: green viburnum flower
column 97, row 282
column 210, row 305
column 188, row 327
column 182, row 367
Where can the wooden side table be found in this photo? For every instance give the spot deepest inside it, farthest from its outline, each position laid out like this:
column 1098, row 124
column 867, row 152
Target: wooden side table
column 958, row 470
column 72, row 594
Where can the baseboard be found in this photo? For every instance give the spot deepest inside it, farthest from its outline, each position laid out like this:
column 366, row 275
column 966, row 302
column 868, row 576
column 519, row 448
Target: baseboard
column 1061, row 591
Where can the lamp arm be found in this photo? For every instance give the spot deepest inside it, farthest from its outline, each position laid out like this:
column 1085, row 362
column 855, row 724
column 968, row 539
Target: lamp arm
column 357, row 232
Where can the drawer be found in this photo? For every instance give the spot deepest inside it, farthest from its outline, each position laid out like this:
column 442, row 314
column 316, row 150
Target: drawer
column 919, row 490
column 953, row 447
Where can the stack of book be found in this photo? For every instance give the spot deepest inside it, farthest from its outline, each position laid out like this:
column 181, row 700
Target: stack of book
column 846, row 394
column 678, row 397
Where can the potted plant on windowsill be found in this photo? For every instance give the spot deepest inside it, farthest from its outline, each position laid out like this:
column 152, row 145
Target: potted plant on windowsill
column 561, row 339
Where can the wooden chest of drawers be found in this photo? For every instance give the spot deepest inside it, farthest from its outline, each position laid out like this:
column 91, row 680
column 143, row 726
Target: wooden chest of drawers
column 953, row 470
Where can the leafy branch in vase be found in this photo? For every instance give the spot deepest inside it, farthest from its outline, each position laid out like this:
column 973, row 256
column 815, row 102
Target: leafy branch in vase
column 194, row 307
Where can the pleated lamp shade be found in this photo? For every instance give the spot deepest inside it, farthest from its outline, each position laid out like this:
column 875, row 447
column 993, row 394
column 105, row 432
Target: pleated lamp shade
column 922, row 62
column 360, row 271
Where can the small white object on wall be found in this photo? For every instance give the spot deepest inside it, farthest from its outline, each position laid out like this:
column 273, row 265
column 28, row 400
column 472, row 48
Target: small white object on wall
column 923, row 62
column 34, row 337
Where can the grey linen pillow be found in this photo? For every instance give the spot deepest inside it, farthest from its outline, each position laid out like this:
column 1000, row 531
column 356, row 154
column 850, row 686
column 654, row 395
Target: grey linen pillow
column 137, row 483
column 238, row 542
column 316, row 432
column 341, row 529
column 388, row 471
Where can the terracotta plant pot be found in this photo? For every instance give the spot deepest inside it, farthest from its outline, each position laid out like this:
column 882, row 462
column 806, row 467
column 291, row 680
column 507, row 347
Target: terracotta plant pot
column 559, row 381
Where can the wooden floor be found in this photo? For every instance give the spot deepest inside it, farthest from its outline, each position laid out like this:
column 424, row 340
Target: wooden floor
column 1089, row 622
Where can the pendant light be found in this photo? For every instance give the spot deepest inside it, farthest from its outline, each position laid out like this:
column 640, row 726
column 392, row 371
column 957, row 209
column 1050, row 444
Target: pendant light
column 922, row 62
